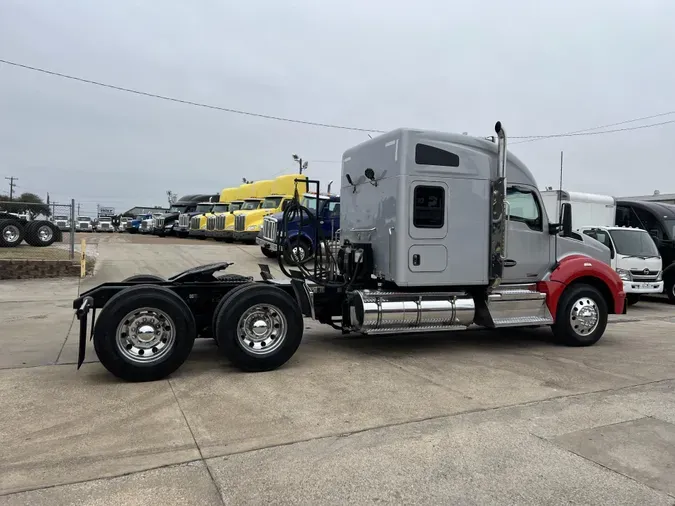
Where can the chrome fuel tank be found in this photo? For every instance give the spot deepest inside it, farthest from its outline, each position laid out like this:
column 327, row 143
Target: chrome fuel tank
column 379, row 312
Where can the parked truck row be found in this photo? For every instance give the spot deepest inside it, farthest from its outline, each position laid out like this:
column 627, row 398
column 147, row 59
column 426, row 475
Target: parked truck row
column 249, row 214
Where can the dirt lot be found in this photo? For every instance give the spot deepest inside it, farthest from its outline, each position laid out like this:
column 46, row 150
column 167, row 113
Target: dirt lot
column 464, row 418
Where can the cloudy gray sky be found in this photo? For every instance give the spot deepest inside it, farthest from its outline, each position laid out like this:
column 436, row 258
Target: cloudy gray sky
column 539, row 67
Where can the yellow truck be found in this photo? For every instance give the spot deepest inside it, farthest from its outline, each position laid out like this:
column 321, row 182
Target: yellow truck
column 228, row 201
column 248, row 227
column 199, row 221
column 260, row 190
column 240, row 194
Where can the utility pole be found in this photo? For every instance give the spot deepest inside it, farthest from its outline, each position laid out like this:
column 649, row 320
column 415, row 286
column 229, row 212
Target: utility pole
column 11, row 186
column 78, row 209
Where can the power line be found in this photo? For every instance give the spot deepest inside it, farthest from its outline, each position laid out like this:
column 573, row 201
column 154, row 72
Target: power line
column 188, row 102
column 588, row 131
column 580, row 134
column 527, row 138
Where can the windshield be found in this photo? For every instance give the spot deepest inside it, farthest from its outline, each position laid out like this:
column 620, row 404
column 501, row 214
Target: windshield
column 670, row 227
column 634, row 242
column 249, row 205
column 310, row 203
column 83, row 218
column 104, row 218
column 60, row 218
column 177, row 209
column 235, row 206
column 220, row 208
column 271, row 202
column 203, row 208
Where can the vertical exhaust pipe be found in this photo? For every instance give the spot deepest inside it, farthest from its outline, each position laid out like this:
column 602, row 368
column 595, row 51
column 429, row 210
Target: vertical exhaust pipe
column 498, row 212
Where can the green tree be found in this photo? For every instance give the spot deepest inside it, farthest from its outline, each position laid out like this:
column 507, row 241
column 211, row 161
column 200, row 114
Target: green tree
column 28, row 203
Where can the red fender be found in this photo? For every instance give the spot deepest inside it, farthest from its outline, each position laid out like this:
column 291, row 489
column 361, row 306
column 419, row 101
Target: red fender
column 575, row 267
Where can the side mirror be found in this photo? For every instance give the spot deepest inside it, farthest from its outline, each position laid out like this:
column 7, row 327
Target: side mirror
column 566, row 215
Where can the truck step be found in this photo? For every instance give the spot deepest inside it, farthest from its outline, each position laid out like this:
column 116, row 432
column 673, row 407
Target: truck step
column 510, row 306
column 524, row 320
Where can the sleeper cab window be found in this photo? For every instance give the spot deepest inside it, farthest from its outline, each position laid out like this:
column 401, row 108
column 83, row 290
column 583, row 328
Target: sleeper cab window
column 429, row 208
column 431, row 155
column 523, row 207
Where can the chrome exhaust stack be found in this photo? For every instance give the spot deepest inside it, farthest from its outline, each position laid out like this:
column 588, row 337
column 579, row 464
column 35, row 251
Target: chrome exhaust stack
column 498, row 212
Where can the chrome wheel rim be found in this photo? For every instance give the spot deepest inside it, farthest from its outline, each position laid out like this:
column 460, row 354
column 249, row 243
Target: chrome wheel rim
column 11, row 233
column 585, row 316
column 262, row 329
column 45, row 233
column 145, row 335
column 298, row 253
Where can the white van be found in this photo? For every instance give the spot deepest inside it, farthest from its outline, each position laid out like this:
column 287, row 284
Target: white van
column 634, row 254
column 634, row 257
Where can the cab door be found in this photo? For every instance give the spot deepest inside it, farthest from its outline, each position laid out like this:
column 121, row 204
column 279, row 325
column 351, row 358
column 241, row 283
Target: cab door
column 528, row 242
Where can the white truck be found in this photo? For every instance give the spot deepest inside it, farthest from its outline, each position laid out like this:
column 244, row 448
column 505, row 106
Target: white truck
column 634, row 256
column 84, row 224
column 104, row 224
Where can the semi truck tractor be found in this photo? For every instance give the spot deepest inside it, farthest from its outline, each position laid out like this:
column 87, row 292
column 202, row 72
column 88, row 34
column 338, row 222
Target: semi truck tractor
column 104, row 224
column 62, row 222
column 260, row 190
column 168, row 223
column 228, row 199
column 659, row 221
column 299, row 239
column 84, row 224
column 633, row 254
column 247, row 227
column 133, row 226
column 185, row 220
column 198, row 222
column 439, row 233
column 243, row 192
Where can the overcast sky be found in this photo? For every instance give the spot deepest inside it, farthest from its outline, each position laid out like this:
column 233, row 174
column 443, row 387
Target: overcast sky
column 540, row 67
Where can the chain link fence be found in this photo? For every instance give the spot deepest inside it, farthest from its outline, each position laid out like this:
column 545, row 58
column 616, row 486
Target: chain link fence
column 36, row 231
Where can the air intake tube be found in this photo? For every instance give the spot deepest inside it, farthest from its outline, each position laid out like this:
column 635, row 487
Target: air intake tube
column 498, row 212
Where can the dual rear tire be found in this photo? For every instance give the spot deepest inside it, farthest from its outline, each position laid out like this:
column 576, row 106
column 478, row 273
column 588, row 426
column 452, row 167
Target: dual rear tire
column 146, row 332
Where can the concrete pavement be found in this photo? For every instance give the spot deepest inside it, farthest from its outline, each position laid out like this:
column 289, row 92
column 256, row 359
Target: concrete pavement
column 464, row 418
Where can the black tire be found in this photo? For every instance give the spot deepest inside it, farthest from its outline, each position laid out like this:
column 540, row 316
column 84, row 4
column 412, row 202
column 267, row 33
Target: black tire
column 269, row 253
column 132, row 230
column 41, row 233
column 303, row 249
column 121, row 306
column 281, row 312
column 145, row 278
column 12, row 233
column 669, row 287
column 632, row 299
column 574, row 299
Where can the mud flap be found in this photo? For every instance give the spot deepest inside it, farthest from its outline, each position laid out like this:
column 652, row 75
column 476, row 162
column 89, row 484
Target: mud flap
column 304, row 297
column 82, row 313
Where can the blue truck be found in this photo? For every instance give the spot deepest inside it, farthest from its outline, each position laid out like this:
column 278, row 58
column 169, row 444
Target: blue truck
column 299, row 242
column 134, row 225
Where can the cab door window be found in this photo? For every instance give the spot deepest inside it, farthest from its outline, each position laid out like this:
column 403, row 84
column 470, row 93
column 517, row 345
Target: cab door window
column 524, row 207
